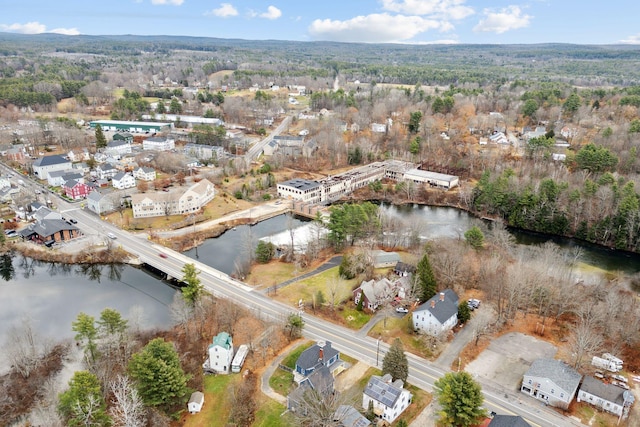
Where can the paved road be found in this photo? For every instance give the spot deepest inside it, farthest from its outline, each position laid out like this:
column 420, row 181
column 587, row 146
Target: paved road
column 256, row 149
column 421, row 372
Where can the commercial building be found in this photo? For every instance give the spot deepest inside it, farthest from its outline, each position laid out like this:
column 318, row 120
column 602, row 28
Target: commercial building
column 130, row 126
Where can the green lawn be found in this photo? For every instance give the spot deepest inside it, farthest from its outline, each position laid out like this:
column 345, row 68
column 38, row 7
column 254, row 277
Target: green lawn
column 307, row 288
column 282, row 381
column 270, row 414
column 217, row 401
column 353, row 318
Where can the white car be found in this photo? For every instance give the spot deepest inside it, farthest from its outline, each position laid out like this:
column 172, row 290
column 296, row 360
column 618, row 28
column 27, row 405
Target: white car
column 111, row 236
column 401, row 310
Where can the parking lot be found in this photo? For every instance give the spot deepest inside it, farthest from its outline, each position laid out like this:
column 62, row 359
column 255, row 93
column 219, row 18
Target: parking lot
column 508, row 357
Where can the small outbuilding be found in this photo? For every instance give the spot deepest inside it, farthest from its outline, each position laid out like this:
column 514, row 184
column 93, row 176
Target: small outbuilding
column 195, row 402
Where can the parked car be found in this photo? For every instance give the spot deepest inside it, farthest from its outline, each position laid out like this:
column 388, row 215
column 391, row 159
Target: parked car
column 73, row 221
column 473, row 303
column 401, row 310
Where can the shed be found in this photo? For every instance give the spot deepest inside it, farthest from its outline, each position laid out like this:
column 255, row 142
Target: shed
column 195, row 402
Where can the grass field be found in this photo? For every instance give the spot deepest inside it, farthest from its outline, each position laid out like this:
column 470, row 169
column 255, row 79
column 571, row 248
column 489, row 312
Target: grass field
column 217, row 401
column 353, row 318
column 282, row 381
column 271, row 414
column 306, row 289
column 399, row 328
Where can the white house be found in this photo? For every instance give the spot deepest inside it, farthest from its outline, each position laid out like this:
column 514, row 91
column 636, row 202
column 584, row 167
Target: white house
column 151, row 204
column 106, row 171
column 606, row 397
column 221, row 353
column 118, row 148
column 204, row 152
column 100, row 203
column 158, row 144
column 389, row 398
column 44, row 165
column 144, row 173
column 439, row 314
column 378, row 127
column 195, row 402
column 551, row 381
column 123, row 180
column 58, row 178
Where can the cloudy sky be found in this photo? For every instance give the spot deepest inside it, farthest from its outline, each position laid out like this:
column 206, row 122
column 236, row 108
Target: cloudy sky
column 372, row 21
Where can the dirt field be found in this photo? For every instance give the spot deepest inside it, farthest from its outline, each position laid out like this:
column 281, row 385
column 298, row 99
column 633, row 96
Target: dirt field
column 508, row 357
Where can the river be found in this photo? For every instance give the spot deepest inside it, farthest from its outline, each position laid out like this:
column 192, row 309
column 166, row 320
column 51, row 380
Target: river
column 52, row 295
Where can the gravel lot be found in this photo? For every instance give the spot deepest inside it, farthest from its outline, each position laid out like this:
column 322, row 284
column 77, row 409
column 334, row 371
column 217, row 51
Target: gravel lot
column 508, row 357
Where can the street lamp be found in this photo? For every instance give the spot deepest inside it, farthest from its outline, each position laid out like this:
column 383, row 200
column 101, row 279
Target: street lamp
column 377, row 351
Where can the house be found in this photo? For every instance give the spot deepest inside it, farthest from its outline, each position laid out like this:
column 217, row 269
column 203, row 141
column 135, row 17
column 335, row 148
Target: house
column 551, row 381
column 118, row 148
column 300, row 189
column 389, row 399
column 44, row 165
column 404, row 270
column 498, row 138
column 383, row 259
column 221, row 353
column 507, row 421
column 439, row 314
column 16, row 154
column 123, row 180
column 44, row 213
column 158, row 144
column 606, row 397
column 316, row 356
column 50, row 231
column 123, row 136
column 76, row 190
column 348, row 416
column 58, row 178
column 144, row 173
column 204, row 152
column 78, row 155
column 100, row 203
column 536, row 133
column 106, row 171
column 321, row 381
column 195, row 402
column 374, row 292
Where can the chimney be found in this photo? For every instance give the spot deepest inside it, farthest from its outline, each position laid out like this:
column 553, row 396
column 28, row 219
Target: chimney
column 433, row 303
column 320, row 354
column 441, row 296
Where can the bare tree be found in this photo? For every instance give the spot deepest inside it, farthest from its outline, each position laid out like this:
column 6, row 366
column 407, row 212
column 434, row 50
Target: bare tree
column 585, row 340
column 127, row 408
column 482, row 323
column 321, row 410
column 25, row 348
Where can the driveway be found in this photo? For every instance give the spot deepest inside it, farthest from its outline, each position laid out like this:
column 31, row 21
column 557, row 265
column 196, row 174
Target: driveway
column 459, row 342
column 508, row 357
column 333, row 262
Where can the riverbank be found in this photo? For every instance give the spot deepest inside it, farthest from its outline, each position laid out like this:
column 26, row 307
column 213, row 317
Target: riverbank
column 83, row 250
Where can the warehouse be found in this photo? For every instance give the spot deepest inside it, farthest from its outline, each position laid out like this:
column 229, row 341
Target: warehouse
column 434, row 179
column 133, row 127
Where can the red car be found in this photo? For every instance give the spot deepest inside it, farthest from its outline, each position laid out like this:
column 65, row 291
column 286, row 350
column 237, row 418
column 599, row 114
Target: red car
column 163, row 255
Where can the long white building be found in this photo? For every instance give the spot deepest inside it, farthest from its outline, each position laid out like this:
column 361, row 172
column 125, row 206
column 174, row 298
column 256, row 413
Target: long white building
column 146, row 205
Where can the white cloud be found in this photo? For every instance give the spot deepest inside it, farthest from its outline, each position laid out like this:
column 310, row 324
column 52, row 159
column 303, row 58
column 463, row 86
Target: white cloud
column 66, row 31
column 224, row 11
column 271, row 13
column 635, row 39
column 375, row 28
column 163, row 2
column 445, row 9
column 508, row 18
column 37, row 28
column 28, row 28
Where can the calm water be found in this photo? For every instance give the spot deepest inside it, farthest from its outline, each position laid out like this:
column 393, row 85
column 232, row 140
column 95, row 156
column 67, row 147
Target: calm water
column 52, row 295
column 234, row 246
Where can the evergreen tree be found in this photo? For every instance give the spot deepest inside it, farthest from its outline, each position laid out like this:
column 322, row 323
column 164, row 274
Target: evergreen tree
column 474, row 237
column 264, row 252
column 101, row 140
column 159, row 377
column 395, row 362
column 82, row 404
column 414, row 121
column 464, row 312
column 426, row 279
column 460, row 398
column 86, row 331
column 194, row 289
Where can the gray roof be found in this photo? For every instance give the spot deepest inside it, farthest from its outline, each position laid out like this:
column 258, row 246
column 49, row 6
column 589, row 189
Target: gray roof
column 442, row 310
column 301, row 184
column 50, row 160
column 556, row 371
column 197, row 397
column 311, row 356
column 106, row 167
column 348, row 416
column 117, row 143
column 95, row 196
column 608, row 392
column 382, row 390
column 119, row 176
column 47, row 227
column 508, row 421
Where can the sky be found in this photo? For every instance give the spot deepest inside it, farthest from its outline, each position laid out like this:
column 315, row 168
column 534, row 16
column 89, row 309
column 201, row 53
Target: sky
column 368, row 21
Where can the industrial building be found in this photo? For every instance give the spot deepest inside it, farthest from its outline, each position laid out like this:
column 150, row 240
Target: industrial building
column 132, row 127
